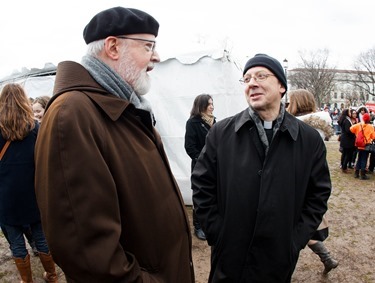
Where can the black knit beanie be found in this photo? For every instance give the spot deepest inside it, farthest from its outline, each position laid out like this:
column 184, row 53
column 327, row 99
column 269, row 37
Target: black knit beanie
column 270, row 63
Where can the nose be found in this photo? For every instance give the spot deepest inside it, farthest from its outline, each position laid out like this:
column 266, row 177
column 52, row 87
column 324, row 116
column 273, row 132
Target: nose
column 252, row 84
column 155, row 57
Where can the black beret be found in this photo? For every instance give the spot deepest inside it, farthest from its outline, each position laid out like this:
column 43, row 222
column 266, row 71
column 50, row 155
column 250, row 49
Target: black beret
column 270, row 63
column 119, row 21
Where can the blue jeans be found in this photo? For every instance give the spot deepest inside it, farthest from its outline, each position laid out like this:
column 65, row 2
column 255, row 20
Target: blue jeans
column 362, row 160
column 15, row 237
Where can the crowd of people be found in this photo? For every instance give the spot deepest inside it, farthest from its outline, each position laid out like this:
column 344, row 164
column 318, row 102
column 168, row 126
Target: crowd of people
column 100, row 215
column 355, row 123
column 354, row 157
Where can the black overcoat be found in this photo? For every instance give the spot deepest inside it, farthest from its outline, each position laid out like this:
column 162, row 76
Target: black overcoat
column 259, row 211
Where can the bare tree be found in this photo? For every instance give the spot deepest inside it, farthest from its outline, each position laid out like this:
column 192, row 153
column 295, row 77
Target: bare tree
column 314, row 74
column 365, row 75
column 352, row 96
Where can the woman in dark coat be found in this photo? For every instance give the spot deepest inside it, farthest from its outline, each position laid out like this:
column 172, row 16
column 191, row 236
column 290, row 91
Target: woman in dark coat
column 346, row 140
column 18, row 205
column 200, row 122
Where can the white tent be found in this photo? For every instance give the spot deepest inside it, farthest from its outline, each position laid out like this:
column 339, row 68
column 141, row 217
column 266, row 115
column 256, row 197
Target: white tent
column 176, row 82
column 36, row 82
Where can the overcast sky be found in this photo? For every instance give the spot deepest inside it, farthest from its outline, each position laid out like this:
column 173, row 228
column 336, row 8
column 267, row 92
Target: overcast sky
column 39, row 31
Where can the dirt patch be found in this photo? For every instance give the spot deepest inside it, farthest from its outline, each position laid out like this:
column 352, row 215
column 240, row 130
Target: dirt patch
column 351, row 242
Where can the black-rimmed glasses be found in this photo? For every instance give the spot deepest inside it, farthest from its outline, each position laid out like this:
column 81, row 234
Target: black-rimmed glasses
column 149, row 47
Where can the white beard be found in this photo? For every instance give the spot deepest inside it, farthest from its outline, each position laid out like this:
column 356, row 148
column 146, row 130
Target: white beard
column 143, row 84
column 138, row 79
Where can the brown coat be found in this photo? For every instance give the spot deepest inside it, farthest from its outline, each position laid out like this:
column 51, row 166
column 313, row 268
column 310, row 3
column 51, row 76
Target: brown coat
column 110, row 206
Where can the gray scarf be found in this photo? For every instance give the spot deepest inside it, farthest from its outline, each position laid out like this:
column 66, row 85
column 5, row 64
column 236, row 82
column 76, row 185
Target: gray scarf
column 259, row 124
column 113, row 83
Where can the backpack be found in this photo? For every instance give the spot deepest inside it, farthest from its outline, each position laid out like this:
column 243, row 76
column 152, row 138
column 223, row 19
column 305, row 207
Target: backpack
column 360, row 140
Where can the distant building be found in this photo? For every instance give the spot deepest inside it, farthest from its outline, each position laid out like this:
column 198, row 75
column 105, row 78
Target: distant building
column 349, row 90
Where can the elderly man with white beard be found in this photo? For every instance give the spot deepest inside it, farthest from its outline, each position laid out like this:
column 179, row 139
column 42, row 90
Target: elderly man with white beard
column 110, row 206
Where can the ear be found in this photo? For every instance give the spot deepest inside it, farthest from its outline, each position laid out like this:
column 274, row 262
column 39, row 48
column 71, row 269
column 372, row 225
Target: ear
column 111, row 47
column 282, row 90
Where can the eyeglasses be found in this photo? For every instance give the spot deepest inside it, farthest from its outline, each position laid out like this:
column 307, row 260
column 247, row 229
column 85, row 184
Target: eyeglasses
column 258, row 77
column 150, row 47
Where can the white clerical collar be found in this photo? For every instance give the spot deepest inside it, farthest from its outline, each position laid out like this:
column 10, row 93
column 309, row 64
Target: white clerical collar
column 267, row 125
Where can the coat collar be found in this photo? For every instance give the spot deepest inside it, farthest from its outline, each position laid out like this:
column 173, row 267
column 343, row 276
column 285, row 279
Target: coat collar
column 196, row 119
column 71, row 76
column 290, row 123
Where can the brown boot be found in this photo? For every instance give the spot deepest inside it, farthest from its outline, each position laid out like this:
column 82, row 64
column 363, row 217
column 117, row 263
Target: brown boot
column 24, row 268
column 49, row 266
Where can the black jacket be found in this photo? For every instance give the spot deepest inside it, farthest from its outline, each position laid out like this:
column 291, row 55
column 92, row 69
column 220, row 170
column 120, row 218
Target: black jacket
column 195, row 137
column 259, row 211
column 18, row 205
column 347, row 138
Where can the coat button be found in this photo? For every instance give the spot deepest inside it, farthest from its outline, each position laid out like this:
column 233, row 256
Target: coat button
column 260, row 172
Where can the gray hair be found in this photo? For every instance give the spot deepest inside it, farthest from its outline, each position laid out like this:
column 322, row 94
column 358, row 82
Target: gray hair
column 95, row 47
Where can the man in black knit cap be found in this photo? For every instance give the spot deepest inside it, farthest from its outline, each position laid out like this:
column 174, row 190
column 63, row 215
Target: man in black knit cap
column 261, row 183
